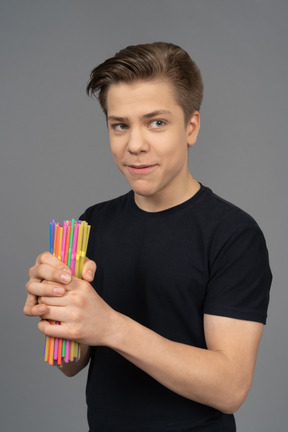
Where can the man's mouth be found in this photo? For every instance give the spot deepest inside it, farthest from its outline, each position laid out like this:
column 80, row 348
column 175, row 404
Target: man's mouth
column 141, row 169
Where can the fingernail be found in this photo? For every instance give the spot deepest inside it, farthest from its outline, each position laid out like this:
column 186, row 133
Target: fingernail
column 65, row 277
column 41, row 309
column 90, row 274
column 59, row 291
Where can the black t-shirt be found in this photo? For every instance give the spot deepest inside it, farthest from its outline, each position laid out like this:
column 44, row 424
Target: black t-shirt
column 166, row 270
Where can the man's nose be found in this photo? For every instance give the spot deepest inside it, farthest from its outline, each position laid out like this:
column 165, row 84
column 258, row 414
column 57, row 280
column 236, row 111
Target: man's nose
column 137, row 142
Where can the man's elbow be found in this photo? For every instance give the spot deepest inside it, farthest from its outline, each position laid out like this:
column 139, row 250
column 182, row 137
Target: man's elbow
column 73, row 368
column 69, row 373
column 234, row 400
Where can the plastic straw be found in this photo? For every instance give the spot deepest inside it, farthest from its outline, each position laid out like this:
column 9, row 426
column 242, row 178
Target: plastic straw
column 69, row 244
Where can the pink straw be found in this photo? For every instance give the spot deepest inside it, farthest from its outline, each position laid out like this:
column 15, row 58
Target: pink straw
column 74, row 248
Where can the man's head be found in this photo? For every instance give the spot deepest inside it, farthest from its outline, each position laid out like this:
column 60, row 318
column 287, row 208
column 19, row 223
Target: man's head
column 146, row 62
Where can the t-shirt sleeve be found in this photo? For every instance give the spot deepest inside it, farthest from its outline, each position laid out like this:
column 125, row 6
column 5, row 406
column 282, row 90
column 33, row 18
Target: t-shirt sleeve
column 240, row 276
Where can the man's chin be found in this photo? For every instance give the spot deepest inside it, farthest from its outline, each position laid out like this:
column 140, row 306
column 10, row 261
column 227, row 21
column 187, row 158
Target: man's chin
column 142, row 189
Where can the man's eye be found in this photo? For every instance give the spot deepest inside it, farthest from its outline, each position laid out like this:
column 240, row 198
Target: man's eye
column 157, row 123
column 119, row 127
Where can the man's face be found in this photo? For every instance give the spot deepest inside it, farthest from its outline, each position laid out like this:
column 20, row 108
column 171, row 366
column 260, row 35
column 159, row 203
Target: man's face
column 149, row 139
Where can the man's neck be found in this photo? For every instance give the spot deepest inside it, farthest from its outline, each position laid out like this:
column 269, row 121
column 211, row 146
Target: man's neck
column 163, row 201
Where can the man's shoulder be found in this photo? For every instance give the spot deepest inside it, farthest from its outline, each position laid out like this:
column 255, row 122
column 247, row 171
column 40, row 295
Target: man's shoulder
column 218, row 209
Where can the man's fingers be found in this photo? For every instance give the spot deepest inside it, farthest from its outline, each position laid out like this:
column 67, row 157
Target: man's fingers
column 53, row 301
column 53, row 330
column 48, row 258
column 47, row 272
column 89, row 269
column 32, row 308
column 44, row 289
column 47, row 266
column 58, row 328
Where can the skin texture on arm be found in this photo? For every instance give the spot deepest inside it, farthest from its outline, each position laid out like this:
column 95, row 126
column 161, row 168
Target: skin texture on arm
column 219, row 376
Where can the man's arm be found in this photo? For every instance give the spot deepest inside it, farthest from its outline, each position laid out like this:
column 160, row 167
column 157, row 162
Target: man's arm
column 219, row 376
column 72, row 368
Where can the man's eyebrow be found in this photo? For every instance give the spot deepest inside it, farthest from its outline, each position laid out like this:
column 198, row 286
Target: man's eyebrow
column 118, row 119
column 145, row 116
column 156, row 113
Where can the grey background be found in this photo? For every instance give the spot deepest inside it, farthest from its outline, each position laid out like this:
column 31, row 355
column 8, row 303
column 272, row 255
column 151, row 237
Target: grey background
column 55, row 162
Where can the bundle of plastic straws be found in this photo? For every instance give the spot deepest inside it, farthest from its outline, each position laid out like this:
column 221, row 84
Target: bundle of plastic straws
column 68, row 242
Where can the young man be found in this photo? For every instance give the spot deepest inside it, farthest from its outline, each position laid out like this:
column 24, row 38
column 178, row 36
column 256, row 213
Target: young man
column 172, row 321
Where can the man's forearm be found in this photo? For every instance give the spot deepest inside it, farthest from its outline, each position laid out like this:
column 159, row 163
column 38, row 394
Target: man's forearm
column 72, row 368
column 206, row 376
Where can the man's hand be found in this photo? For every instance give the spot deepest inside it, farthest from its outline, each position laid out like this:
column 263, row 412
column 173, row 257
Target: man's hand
column 54, row 294
column 49, row 268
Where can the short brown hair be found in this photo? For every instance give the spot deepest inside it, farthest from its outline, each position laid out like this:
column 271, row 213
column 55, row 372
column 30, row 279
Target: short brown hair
column 146, row 62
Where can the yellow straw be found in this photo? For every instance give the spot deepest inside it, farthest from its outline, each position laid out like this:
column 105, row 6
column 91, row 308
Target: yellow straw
column 82, row 255
column 60, row 243
column 85, row 245
column 46, row 349
column 79, row 247
column 72, row 351
column 51, row 359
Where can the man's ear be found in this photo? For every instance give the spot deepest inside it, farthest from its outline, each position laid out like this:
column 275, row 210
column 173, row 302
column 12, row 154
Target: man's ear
column 193, row 128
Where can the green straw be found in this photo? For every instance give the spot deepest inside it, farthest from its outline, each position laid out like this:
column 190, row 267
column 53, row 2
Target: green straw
column 71, row 242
